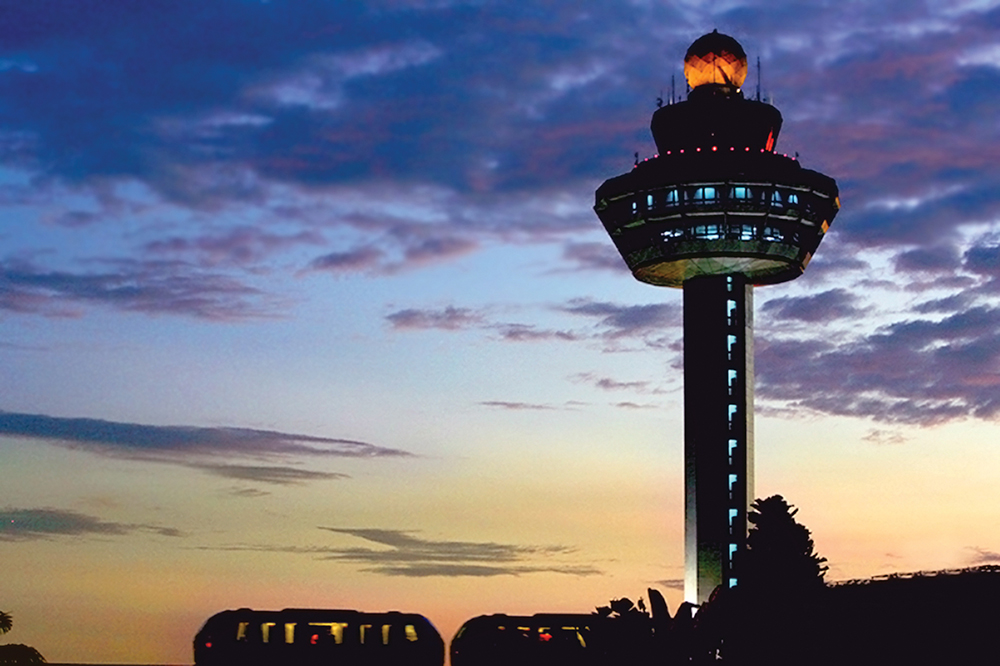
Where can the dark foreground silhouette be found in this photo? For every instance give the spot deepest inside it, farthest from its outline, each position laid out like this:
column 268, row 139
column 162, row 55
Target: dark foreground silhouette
column 16, row 654
column 782, row 613
column 317, row 637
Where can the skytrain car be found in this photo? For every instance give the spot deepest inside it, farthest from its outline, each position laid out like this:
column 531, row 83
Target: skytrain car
column 548, row 639
column 317, row 637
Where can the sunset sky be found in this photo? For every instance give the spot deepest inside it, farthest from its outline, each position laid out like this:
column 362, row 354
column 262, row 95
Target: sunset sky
column 304, row 304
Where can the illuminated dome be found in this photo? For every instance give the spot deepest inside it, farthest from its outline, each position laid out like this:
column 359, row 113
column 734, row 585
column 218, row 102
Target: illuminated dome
column 715, row 58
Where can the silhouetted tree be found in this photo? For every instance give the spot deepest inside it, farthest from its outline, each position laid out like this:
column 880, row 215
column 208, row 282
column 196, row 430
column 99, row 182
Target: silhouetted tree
column 780, row 560
column 772, row 616
column 16, row 654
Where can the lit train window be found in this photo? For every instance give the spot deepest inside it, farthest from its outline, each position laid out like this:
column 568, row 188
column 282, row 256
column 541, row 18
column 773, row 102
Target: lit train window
column 289, row 632
column 265, row 631
column 241, row 631
column 411, row 633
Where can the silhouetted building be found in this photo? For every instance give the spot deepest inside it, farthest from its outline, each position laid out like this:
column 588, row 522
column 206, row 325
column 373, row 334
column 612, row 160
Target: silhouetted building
column 716, row 212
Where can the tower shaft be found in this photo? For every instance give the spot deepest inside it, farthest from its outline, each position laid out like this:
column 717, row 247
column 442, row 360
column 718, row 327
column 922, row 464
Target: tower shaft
column 718, row 429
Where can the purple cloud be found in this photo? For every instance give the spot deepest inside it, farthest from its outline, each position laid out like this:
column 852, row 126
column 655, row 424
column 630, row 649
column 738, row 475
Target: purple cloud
column 449, row 319
column 918, row 371
column 824, row 307
column 197, row 447
column 147, row 287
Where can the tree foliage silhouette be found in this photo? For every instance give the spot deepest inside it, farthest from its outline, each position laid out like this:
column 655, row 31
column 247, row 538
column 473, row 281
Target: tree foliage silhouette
column 780, row 560
column 770, row 617
column 15, row 654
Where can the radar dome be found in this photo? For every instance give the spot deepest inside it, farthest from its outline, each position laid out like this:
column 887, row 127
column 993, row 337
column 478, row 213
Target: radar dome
column 715, row 58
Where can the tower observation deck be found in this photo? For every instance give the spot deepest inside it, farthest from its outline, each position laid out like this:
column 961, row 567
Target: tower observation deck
column 716, row 212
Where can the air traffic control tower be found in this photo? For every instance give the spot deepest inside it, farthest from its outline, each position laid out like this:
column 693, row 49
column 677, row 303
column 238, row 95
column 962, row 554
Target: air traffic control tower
column 716, row 212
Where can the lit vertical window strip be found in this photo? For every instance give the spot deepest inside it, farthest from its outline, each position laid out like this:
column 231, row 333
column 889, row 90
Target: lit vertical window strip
column 730, row 343
column 731, row 380
column 730, row 308
column 732, row 447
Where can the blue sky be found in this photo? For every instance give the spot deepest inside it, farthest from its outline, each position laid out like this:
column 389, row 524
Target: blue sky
column 306, row 304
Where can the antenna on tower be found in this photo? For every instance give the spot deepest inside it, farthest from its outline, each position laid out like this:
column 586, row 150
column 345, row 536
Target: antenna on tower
column 758, row 78
column 636, row 159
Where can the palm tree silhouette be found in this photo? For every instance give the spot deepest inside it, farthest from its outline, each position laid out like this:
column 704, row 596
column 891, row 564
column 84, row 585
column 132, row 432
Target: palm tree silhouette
column 15, row 654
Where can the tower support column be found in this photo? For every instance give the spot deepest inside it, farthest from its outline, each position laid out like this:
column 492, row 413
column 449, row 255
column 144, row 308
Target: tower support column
column 718, row 429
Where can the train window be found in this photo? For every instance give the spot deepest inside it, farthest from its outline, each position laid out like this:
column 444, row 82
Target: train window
column 241, row 631
column 411, row 633
column 335, row 629
column 265, row 631
column 364, row 627
column 289, row 632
